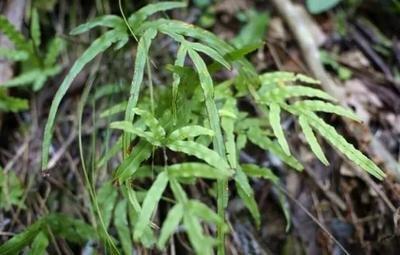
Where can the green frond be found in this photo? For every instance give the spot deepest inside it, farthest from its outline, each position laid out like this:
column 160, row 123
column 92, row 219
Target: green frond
column 150, row 202
column 13, row 55
column 209, row 52
column 180, row 60
column 54, row 49
column 98, row 46
column 189, row 131
column 140, row 63
column 199, row 170
column 199, row 151
column 250, row 203
column 171, row 223
column 306, row 79
column 285, row 92
column 262, row 141
column 321, row 106
column 35, row 28
column 122, row 226
column 130, row 128
column 12, row 104
column 115, row 109
column 23, row 79
column 142, row 14
column 40, row 244
column 337, row 141
column 130, row 164
column 256, row 171
column 153, row 123
column 14, row 35
column 207, row 86
column 110, row 21
column 275, row 121
column 312, row 140
column 200, row 243
column 202, row 211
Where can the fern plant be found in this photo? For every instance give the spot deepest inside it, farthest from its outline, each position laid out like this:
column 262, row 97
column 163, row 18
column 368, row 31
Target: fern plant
column 36, row 66
column 201, row 122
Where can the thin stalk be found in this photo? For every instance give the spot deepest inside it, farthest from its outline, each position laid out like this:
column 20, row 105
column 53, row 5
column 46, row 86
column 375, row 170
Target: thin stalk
column 126, row 21
column 218, row 142
column 89, row 184
column 150, row 80
column 222, row 185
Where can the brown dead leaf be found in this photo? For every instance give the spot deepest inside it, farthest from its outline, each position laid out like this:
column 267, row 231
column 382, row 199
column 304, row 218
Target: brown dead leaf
column 361, row 99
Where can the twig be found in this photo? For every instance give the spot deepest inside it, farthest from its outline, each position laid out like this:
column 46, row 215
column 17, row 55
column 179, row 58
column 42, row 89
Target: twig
column 333, row 197
column 309, row 214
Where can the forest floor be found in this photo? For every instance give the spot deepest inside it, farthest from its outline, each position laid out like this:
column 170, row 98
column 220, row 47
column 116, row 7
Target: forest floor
column 359, row 44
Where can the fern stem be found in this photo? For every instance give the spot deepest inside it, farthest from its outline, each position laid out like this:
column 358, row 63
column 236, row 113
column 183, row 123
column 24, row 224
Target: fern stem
column 221, row 193
column 90, row 184
column 222, row 185
column 218, row 141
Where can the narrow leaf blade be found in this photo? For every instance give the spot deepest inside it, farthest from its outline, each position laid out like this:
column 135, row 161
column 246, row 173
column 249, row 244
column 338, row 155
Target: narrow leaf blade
column 312, row 140
column 171, row 223
column 98, row 46
column 275, row 121
column 149, row 204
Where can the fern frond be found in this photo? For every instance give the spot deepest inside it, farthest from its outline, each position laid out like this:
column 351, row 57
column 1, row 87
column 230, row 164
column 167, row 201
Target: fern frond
column 228, row 118
column 312, row 140
column 306, row 79
column 187, row 170
column 188, row 30
column 206, row 83
column 12, row 104
column 202, row 211
column 201, row 243
column 115, row 109
column 273, row 79
column 130, row 128
column 130, row 165
column 110, row 21
column 275, row 121
column 171, row 223
column 13, row 34
column 151, row 122
column 142, row 14
column 189, row 132
column 285, row 92
column 321, row 106
column 23, row 79
column 53, row 51
column 98, row 46
column 35, row 28
column 250, row 203
column 209, row 52
column 149, row 204
column 256, row 171
column 281, row 78
column 200, row 151
column 258, row 138
column 13, row 55
column 180, row 60
column 140, row 62
column 337, row 141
